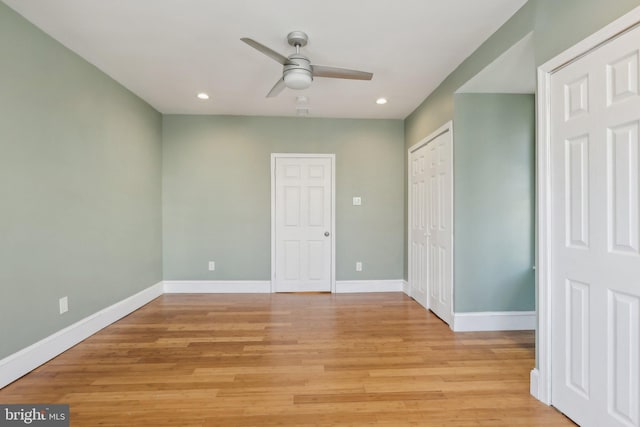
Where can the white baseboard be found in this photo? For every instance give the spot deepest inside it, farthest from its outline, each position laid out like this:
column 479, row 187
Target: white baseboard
column 264, row 286
column 353, row 286
column 533, row 383
column 217, row 286
column 405, row 288
column 494, row 321
column 24, row 361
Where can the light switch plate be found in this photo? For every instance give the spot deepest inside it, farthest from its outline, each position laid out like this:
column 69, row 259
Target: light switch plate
column 64, row 305
column 357, row 201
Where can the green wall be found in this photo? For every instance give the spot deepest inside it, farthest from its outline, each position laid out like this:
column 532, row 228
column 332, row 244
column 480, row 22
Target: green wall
column 80, row 165
column 494, row 202
column 561, row 24
column 217, row 193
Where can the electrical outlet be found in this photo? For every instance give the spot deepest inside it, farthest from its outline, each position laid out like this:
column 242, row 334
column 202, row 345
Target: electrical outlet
column 64, row 305
column 358, row 266
column 212, row 265
column 357, row 201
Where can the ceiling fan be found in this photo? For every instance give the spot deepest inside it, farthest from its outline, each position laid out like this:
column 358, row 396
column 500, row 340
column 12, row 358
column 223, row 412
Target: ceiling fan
column 297, row 71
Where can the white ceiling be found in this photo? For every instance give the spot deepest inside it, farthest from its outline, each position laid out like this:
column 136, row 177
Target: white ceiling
column 166, row 51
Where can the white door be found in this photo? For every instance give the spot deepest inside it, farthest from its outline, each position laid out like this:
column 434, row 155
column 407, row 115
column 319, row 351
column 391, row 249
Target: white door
column 439, row 226
column 302, row 223
column 431, row 223
column 418, row 225
column 595, row 246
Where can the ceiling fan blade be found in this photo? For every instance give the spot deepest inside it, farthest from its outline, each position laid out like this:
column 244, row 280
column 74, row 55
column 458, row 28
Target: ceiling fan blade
column 268, row 51
column 276, row 89
column 340, row 73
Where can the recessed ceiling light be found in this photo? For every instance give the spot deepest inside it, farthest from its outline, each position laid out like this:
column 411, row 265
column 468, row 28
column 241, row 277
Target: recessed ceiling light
column 203, row 95
column 381, row 101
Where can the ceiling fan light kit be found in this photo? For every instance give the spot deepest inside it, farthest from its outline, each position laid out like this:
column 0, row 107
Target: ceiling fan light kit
column 297, row 79
column 298, row 75
column 297, row 70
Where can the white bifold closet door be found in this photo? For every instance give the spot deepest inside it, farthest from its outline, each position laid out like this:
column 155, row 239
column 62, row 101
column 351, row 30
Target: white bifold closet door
column 595, row 253
column 431, row 228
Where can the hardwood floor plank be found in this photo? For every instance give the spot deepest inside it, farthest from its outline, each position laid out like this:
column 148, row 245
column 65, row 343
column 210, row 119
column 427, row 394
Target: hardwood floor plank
column 290, row 360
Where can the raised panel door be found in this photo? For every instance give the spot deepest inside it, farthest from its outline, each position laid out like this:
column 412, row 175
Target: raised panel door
column 303, row 224
column 595, row 273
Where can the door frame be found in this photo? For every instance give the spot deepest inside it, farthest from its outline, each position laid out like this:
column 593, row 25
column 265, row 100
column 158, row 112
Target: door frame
column 541, row 379
column 447, row 127
column 331, row 157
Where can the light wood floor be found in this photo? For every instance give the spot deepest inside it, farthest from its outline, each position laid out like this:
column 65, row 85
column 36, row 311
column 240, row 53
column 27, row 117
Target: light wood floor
column 290, row 360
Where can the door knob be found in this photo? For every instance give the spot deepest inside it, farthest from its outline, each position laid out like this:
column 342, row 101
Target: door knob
column 326, row 234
